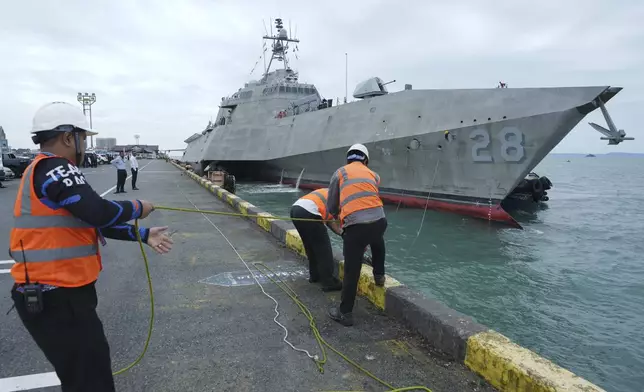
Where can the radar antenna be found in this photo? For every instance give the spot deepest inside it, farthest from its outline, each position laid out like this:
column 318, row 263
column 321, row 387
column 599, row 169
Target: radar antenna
column 280, row 45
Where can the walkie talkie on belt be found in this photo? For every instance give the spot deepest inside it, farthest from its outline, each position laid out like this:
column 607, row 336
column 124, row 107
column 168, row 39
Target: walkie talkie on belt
column 32, row 293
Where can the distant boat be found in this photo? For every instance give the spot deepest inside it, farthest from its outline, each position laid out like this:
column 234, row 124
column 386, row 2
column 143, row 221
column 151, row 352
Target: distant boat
column 590, row 156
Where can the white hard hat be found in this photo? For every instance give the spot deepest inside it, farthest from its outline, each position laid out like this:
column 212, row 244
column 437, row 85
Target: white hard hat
column 359, row 147
column 55, row 114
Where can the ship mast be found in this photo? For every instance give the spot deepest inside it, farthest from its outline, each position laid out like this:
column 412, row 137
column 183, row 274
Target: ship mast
column 279, row 46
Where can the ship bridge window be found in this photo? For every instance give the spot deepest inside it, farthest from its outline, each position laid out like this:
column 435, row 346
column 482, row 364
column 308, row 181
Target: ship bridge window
column 246, row 94
column 282, row 89
column 270, row 90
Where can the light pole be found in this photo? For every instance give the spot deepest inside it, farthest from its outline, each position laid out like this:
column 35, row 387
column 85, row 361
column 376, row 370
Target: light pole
column 87, row 101
column 346, row 75
column 136, row 137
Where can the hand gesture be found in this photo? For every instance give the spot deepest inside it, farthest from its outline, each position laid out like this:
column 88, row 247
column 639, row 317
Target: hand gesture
column 159, row 240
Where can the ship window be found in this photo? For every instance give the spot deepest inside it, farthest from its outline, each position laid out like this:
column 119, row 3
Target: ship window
column 300, row 90
column 282, row 89
column 245, row 94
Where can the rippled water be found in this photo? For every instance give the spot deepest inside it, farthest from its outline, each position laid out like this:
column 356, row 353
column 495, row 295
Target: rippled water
column 570, row 286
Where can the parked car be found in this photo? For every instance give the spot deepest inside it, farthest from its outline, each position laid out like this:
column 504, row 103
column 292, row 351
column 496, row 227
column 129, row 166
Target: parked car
column 16, row 164
column 102, row 159
column 7, row 173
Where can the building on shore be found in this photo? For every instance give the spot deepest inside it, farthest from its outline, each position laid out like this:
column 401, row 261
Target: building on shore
column 105, row 143
column 4, row 143
column 137, row 148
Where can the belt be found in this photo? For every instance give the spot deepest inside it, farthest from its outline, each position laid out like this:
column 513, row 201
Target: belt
column 45, row 287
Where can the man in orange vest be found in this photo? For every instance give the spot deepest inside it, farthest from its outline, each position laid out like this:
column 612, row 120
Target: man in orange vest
column 353, row 195
column 58, row 223
column 315, row 237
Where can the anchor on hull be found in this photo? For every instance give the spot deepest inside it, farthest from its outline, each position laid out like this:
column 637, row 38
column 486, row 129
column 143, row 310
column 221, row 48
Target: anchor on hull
column 612, row 134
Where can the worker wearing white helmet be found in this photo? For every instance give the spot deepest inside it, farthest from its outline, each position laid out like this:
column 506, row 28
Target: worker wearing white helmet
column 354, row 198
column 59, row 221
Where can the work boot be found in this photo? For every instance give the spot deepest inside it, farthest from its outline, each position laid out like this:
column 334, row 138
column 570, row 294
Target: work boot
column 313, row 279
column 379, row 279
column 333, row 285
column 345, row 319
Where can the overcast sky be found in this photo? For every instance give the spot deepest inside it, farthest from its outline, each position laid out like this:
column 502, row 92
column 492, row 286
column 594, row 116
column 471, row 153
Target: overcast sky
column 159, row 68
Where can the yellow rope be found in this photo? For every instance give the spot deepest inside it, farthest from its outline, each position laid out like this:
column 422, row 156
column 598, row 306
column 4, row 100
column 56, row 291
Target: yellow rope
column 147, row 272
column 242, row 215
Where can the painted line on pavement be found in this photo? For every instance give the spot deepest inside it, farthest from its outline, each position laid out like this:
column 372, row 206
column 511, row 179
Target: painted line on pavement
column 32, row 381
column 5, row 271
column 128, row 177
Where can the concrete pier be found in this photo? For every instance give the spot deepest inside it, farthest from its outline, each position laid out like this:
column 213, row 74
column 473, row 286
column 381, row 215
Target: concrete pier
column 503, row 363
column 214, row 328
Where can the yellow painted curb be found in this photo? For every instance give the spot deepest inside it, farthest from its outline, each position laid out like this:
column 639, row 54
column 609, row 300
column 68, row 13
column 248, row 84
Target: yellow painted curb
column 243, row 207
column 367, row 286
column 510, row 367
column 230, row 199
column 220, row 193
column 294, row 241
column 213, row 188
column 263, row 220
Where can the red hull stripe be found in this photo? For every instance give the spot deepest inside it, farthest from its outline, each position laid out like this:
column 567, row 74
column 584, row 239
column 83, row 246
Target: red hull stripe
column 483, row 211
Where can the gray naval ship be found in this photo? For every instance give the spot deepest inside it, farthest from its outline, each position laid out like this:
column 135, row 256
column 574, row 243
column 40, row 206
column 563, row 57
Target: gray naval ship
column 460, row 150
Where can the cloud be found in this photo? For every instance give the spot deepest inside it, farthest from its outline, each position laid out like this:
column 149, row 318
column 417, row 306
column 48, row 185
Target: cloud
column 160, row 68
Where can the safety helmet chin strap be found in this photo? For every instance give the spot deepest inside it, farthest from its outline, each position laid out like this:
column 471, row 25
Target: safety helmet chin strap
column 42, row 137
column 78, row 151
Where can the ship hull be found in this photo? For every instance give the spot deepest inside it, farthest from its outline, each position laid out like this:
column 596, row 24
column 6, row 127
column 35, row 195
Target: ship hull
column 494, row 138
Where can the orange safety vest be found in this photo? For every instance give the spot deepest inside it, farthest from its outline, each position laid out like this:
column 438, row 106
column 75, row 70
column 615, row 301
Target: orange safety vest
column 358, row 189
column 59, row 249
column 319, row 197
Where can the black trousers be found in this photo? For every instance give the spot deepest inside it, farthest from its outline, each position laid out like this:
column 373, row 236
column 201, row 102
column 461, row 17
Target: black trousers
column 121, row 176
column 317, row 245
column 70, row 334
column 356, row 238
column 135, row 173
